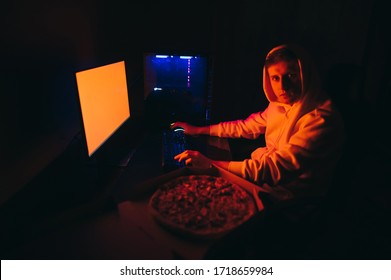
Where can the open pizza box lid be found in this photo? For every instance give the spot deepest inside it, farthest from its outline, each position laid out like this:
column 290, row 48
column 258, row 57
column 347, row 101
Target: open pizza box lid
column 135, row 210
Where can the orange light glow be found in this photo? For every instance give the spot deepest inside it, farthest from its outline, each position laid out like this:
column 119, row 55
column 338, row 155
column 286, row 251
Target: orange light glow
column 104, row 102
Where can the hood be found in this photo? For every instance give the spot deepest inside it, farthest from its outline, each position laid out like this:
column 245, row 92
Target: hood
column 312, row 92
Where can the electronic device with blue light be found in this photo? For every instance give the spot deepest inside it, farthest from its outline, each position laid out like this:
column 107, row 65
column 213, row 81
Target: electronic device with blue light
column 177, row 87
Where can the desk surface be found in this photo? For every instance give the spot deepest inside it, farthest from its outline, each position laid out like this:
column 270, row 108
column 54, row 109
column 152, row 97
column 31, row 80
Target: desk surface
column 107, row 235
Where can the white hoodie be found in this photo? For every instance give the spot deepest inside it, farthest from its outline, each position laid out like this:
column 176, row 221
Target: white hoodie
column 303, row 141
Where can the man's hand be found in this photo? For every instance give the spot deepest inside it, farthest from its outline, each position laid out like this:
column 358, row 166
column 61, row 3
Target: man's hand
column 194, row 158
column 190, row 129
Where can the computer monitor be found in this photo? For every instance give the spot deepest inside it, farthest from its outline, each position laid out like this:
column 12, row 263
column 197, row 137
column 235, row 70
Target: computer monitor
column 104, row 103
column 177, row 86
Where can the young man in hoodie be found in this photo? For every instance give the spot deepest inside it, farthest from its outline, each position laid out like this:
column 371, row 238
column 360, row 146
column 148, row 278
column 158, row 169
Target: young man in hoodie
column 303, row 131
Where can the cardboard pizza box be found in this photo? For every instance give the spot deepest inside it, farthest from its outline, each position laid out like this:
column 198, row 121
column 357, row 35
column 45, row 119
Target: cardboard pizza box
column 134, row 211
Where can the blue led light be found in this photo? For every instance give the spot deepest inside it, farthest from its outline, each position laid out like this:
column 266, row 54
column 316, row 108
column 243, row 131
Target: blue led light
column 161, row 56
column 185, row 57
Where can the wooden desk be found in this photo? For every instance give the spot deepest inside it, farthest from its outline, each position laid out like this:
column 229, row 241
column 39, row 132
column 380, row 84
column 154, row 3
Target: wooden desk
column 135, row 213
column 103, row 237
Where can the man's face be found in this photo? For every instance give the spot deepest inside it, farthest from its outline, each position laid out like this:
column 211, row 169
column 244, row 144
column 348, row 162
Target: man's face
column 285, row 81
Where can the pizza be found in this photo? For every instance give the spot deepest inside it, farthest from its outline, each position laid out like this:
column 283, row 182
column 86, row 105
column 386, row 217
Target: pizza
column 201, row 205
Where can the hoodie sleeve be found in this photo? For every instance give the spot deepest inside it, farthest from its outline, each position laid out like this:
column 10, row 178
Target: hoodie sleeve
column 250, row 128
column 314, row 145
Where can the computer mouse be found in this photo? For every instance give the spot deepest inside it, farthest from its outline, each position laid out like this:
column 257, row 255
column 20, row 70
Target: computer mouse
column 175, row 127
column 179, row 129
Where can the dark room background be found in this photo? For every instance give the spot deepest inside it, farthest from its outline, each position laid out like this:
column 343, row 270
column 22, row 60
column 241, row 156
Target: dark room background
column 43, row 44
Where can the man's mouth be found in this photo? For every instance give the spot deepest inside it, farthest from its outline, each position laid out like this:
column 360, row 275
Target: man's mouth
column 284, row 95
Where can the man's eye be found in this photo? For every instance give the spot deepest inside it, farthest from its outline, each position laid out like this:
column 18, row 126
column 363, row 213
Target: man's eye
column 275, row 78
column 292, row 76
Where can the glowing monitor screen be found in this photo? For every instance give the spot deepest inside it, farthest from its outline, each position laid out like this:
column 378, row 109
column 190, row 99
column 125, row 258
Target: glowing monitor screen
column 104, row 102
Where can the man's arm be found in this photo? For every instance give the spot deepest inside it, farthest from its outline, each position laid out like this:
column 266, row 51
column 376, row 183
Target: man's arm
column 221, row 164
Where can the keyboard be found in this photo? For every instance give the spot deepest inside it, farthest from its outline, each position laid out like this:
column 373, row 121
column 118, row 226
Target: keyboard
column 174, row 142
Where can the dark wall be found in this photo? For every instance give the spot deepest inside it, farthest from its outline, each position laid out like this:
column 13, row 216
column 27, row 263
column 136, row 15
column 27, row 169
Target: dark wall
column 45, row 42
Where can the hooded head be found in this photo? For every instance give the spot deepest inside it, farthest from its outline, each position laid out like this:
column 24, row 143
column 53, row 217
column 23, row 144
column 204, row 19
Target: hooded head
column 303, row 83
